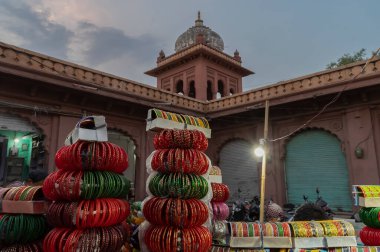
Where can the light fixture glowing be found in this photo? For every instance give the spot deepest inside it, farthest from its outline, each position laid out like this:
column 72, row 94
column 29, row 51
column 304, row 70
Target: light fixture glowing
column 259, row 151
column 17, row 140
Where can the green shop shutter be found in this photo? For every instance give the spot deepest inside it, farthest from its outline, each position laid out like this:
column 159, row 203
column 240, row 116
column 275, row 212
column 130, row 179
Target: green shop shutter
column 314, row 159
column 239, row 170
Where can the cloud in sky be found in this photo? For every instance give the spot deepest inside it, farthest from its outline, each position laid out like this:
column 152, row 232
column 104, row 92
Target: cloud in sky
column 277, row 40
column 24, row 27
column 105, row 48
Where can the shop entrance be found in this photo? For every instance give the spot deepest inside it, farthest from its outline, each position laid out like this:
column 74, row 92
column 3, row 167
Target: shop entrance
column 239, row 170
column 314, row 158
column 21, row 150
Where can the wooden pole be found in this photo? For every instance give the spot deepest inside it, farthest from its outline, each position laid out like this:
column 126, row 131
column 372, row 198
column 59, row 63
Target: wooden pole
column 264, row 162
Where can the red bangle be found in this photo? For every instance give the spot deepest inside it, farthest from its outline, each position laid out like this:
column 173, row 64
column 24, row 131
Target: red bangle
column 166, row 238
column 88, row 213
column 84, row 155
column 185, row 139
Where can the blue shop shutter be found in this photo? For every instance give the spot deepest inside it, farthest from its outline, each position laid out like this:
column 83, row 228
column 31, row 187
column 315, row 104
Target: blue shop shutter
column 315, row 158
column 239, row 170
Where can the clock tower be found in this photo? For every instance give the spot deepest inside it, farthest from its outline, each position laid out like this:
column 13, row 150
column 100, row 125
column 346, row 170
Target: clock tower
column 199, row 68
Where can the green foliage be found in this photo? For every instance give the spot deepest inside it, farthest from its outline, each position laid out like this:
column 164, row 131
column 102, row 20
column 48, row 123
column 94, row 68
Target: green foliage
column 348, row 59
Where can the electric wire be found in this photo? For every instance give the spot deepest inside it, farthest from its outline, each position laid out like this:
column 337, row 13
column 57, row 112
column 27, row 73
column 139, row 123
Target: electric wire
column 334, row 99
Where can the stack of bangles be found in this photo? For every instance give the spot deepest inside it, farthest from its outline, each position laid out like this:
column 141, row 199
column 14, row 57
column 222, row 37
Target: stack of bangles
column 75, row 185
column 166, row 238
column 31, row 247
column 180, row 160
column 220, row 210
column 220, row 192
column 370, row 236
column 178, row 185
column 307, row 229
column 84, row 155
column 184, row 139
column 24, row 193
column 337, row 228
column 92, row 239
column 88, row 213
column 21, row 228
column 370, row 216
column 175, row 212
column 276, row 229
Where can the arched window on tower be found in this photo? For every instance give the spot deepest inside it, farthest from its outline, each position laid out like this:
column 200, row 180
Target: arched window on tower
column 192, row 89
column 179, row 87
column 220, row 93
column 232, row 91
column 209, row 90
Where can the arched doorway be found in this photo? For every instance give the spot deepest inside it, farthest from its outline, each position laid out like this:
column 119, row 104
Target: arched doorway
column 314, row 158
column 179, row 87
column 192, row 89
column 239, row 170
column 21, row 149
column 220, row 93
column 128, row 145
column 209, row 90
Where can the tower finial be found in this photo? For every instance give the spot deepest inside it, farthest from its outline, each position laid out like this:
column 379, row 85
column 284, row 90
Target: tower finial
column 199, row 21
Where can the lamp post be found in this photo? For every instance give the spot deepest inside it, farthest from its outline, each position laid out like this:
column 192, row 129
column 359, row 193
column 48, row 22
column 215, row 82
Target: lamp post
column 264, row 161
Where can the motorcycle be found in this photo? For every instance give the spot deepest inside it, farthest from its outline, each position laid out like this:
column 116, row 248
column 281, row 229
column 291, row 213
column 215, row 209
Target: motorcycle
column 318, row 210
column 245, row 210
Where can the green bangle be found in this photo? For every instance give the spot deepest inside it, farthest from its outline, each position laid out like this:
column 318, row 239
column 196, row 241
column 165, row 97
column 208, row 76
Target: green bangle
column 178, row 185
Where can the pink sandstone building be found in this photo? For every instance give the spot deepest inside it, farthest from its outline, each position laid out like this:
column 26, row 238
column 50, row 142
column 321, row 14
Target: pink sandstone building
column 42, row 98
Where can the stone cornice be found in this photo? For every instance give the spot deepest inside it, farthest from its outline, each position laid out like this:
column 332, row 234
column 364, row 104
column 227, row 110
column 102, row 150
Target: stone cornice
column 187, row 53
column 314, row 84
column 76, row 76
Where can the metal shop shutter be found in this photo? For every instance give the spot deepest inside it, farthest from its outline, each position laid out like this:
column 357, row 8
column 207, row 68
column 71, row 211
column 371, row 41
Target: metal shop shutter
column 314, row 159
column 12, row 122
column 239, row 170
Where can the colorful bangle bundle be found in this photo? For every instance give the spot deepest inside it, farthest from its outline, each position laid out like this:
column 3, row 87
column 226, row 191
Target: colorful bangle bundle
column 88, row 213
column 94, row 239
column 21, row 228
column 31, row 247
column 75, row 185
column 180, row 160
column 220, row 210
column 178, row 185
column 307, row 229
column 191, row 120
column 245, row 229
column 337, row 228
column 220, row 192
column 84, row 155
column 24, row 193
column 175, row 212
column 370, row 216
column 276, row 229
column 370, row 236
column 166, row 238
column 184, row 139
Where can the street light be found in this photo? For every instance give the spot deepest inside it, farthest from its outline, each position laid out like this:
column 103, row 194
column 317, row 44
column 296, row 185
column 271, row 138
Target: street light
column 259, row 150
column 264, row 162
